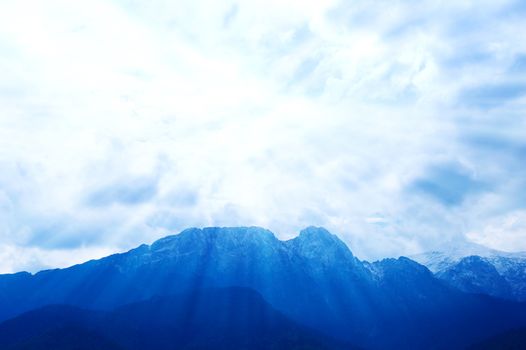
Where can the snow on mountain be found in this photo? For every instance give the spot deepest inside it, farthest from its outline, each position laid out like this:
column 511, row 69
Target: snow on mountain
column 474, row 268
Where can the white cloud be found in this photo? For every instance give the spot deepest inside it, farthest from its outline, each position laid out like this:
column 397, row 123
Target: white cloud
column 507, row 232
column 15, row 258
column 263, row 113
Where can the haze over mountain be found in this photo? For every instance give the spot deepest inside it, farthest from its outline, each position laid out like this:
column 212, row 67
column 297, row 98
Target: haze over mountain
column 313, row 279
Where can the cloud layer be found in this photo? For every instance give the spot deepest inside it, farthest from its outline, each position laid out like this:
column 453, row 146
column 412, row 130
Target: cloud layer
column 397, row 125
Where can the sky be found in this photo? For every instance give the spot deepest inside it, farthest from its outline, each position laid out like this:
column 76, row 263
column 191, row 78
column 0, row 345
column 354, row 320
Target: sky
column 400, row 126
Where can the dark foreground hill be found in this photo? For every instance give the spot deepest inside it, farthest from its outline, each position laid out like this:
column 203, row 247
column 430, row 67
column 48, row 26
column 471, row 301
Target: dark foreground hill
column 514, row 339
column 228, row 318
column 313, row 279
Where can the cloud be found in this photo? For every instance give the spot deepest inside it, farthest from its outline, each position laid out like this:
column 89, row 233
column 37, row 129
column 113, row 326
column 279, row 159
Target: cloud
column 125, row 191
column 506, row 232
column 488, row 96
column 448, row 184
column 121, row 122
column 230, row 15
column 16, row 258
column 519, row 64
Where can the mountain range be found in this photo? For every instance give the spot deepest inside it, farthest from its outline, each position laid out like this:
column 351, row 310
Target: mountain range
column 476, row 269
column 307, row 292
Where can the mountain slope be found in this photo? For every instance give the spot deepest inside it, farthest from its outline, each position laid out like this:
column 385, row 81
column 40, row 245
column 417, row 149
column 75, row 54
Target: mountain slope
column 314, row 269
column 511, row 340
column 476, row 269
column 231, row 318
column 421, row 312
column 313, row 279
column 474, row 274
column 64, row 338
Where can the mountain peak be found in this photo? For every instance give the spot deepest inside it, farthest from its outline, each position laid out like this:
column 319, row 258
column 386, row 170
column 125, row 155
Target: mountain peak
column 453, row 252
column 475, row 274
column 194, row 237
column 318, row 233
column 312, row 241
column 320, row 236
column 317, row 241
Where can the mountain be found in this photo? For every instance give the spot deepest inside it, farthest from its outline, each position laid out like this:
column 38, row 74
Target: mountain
column 313, row 280
column 474, row 274
column 284, row 272
column 476, row 269
column 227, row 318
column 62, row 338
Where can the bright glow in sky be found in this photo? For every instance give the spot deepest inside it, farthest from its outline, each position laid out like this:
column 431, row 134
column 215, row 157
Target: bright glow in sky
column 400, row 126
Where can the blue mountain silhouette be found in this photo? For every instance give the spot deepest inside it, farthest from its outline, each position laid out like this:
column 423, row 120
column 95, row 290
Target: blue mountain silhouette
column 210, row 318
column 313, row 280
